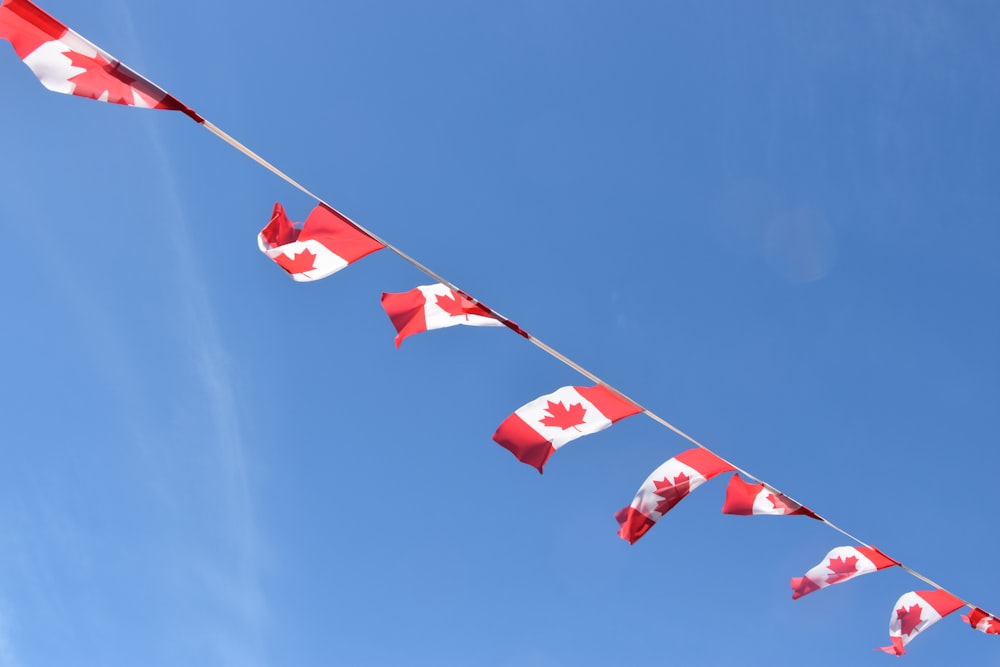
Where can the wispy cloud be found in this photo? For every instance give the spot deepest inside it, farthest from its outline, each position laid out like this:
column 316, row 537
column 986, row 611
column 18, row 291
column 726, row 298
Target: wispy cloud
column 235, row 583
column 7, row 655
column 231, row 575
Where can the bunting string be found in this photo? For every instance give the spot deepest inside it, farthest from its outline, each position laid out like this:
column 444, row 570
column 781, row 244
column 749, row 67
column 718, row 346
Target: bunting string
column 548, row 349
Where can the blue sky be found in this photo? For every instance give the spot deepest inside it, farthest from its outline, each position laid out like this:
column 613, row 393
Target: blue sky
column 773, row 223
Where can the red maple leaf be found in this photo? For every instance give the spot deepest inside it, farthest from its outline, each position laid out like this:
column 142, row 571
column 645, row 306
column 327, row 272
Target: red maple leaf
column 671, row 492
column 458, row 305
column 909, row 618
column 779, row 502
column 302, row 262
column 101, row 76
column 983, row 622
column 842, row 568
column 563, row 417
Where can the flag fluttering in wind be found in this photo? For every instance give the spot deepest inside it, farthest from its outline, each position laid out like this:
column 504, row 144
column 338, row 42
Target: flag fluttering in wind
column 746, row 499
column 982, row 621
column 665, row 487
column 841, row 564
column 430, row 307
column 324, row 244
column 65, row 62
column 914, row 612
column 539, row 428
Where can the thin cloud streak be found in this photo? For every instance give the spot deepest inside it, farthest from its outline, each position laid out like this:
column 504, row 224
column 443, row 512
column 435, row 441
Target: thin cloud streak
column 8, row 658
column 236, row 585
column 239, row 587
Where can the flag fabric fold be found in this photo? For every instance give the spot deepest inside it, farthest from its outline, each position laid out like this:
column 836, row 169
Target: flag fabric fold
column 429, row 307
column 983, row 621
column 536, row 430
column 324, row 244
column 747, row 499
column 913, row 613
column 65, row 62
column 665, row 487
column 840, row 564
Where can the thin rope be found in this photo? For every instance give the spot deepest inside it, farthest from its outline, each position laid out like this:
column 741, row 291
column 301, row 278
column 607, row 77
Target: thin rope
column 551, row 351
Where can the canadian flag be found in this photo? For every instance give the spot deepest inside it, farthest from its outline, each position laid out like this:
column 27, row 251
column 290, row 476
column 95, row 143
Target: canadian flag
column 324, row 244
column 433, row 307
column 541, row 427
column 841, row 564
column 746, row 499
column 665, row 487
column 914, row 612
column 65, row 62
column 982, row 621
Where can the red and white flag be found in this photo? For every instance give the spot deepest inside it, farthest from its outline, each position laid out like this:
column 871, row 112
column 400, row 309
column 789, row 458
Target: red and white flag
column 65, row 62
column 982, row 621
column 665, row 487
column 841, row 564
column 541, row 427
column 324, row 244
column 746, row 499
column 430, row 307
column 914, row 612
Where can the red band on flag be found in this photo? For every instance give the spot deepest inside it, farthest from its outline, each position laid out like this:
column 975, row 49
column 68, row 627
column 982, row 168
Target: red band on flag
column 609, row 403
column 523, row 442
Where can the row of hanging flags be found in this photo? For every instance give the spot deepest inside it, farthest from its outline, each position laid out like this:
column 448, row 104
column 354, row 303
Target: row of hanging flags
column 328, row 241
